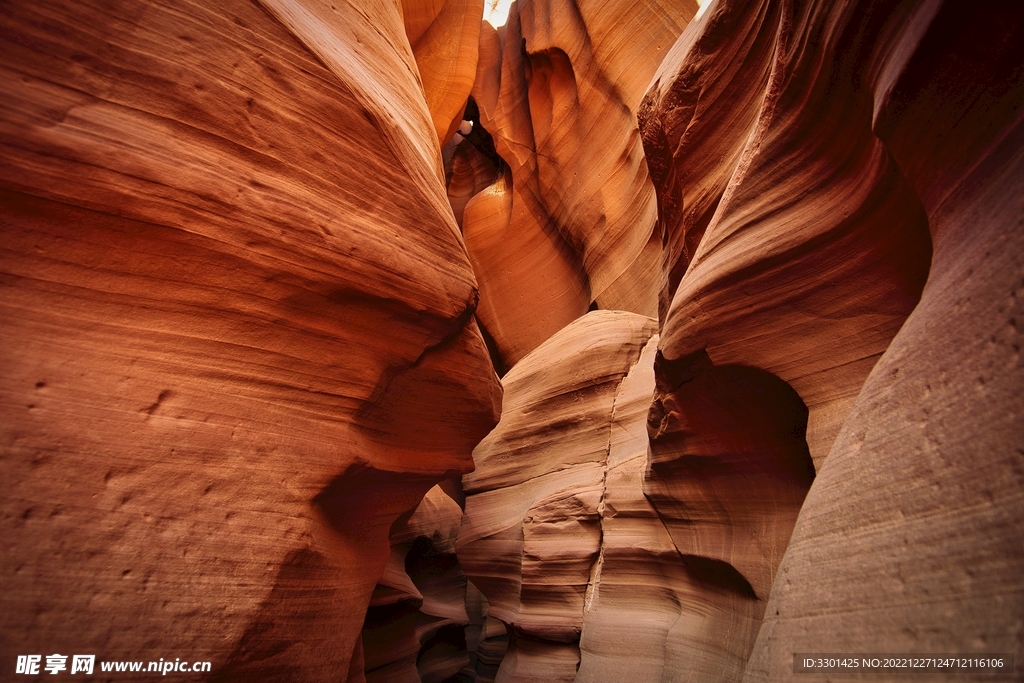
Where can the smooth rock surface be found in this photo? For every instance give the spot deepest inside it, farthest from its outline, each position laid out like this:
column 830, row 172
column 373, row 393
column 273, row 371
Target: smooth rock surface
column 817, row 249
column 557, row 88
column 445, row 39
column 910, row 539
column 233, row 290
column 531, row 535
column 750, row 276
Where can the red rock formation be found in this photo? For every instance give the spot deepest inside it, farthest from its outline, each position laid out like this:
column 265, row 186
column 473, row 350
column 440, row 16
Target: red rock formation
column 445, row 38
column 234, row 289
column 818, row 249
column 919, row 503
column 262, row 261
column 795, row 217
column 531, row 536
column 415, row 628
column 557, row 88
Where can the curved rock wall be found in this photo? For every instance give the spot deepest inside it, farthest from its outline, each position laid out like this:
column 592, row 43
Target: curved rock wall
column 233, row 288
column 919, row 503
column 806, row 165
column 263, row 265
column 818, row 248
column 557, row 88
column 445, row 39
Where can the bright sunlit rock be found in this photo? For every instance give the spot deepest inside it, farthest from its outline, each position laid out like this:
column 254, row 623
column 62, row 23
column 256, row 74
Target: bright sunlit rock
column 496, row 12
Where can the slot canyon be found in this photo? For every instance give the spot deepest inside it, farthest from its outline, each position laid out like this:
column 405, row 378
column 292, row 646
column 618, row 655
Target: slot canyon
column 639, row 341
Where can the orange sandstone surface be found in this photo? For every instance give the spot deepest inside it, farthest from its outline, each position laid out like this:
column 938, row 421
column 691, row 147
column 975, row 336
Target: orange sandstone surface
column 626, row 341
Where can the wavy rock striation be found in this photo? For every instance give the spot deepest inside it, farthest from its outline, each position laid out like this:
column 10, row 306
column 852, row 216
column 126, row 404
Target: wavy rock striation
column 234, row 288
column 531, row 539
column 264, row 263
column 803, row 165
column 445, row 39
column 814, row 248
column 919, row 502
column 416, row 626
column 571, row 222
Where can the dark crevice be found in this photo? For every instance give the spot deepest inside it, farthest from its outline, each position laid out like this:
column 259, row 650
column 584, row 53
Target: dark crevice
column 448, row 642
column 480, row 138
column 492, row 349
column 391, row 630
column 672, row 373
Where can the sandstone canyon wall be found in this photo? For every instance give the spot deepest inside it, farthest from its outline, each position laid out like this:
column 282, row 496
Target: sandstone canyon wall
column 233, row 290
column 367, row 341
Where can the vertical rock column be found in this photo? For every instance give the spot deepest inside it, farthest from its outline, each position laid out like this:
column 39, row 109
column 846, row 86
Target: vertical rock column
column 571, row 222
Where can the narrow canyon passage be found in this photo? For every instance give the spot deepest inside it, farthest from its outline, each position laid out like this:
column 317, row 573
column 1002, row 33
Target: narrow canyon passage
column 391, row 341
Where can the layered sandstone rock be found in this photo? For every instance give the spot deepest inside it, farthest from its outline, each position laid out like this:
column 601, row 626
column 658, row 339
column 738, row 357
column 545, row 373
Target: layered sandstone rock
column 571, row 534
column 557, row 88
column 238, row 336
column 416, row 625
column 262, row 262
column 531, row 536
column 918, row 507
column 803, row 247
column 801, row 155
column 794, row 249
column 642, row 578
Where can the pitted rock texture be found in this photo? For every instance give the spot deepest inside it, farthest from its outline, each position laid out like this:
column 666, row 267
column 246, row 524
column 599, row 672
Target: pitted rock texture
column 233, row 289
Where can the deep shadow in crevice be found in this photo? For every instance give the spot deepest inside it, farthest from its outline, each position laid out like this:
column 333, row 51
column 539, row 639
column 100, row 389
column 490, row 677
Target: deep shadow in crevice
column 492, row 349
column 728, row 461
column 448, row 643
column 717, row 575
column 480, row 138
